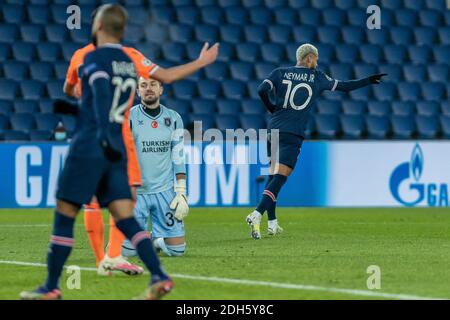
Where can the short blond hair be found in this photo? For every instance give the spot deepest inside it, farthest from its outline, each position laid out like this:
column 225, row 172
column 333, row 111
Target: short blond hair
column 114, row 18
column 304, row 50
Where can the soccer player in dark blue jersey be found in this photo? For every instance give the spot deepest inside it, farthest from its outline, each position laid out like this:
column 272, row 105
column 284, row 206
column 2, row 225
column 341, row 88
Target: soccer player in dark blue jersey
column 289, row 94
column 97, row 159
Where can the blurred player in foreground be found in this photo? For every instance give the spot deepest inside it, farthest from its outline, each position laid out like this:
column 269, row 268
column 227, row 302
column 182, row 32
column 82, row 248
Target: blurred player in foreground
column 93, row 221
column 97, row 159
column 289, row 93
column 158, row 135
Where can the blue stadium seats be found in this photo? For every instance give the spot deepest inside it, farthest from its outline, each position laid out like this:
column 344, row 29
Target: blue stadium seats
column 180, row 106
column 435, row 4
column 273, row 4
column 226, row 52
column 262, row 70
column 430, row 18
column 252, row 121
column 56, row 33
column 441, row 54
column 42, row 71
column 6, row 107
column 395, row 54
column 409, row 91
column 261, row 16
column 414, row 73
column 8, row 89
column 227, row 3
column 32, row 33
column 15, row 70
column 137, row 15
column 248, row 52
column 55, row 89
column 133, row 34
column 205, row 120
column 184, row 89
column 347, row 53
column 61, row 69
column 394, row 71
column 22, row 122
column 438, row 72
column 4, row 122
column 403, row 127
column 68, row 50
column 427, row 108
column 326, row 52
column 329, row 35
column 328, row 107
column 445, row 125
column 149, row 49
column 444, row 35
column 228, row 106
column 174, row 52
column 205, row 106
column 425, row 35
column 39, row 14
column 23, row 51
column 385, row 91
column 187, row 15
column 156, row 33
column 59, row 13
column 378, row 36
column 13, row 13
column 433, row 91
column 371, row 53
column 253, row 106
column 207, row 33
column 342, row 71
column 379, row 108
column 364, row 70
column 351, row 107
column 406, row 17
column 234, row 89
column 242, row 71
column 69, row 123
column 321, row 4
column 286, row 16
column 236, row 15
column 345, row 4
column 328, row 126
column 361, row 94
column 209, row 89
column 378, row 127
column 391, row 4
column 310, row 16
column 46, row 105
column 46, row 121
column 403, row 108
column 334, row 17
column 414, row 4
column 353, row 35
column 419, row 54
column 212, row 15
column 227, row 121
column 8, row 33
column 32, row 89
column 427, row 126
column 304, row 33
column 273, row 52
column 48, row 51
column 40, row 135
column 280, row 34
column 217, row 71
column 5, row 52
column 180, row 33
column 256, row 34
column 356, row 17
column 298, row 4
column 353, row 126
column 15, row 135
column 388, row 17
column 86, row 13
column 232, row 34
column 164, row 15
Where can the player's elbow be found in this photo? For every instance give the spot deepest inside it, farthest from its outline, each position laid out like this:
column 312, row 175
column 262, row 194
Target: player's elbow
column 69, row 89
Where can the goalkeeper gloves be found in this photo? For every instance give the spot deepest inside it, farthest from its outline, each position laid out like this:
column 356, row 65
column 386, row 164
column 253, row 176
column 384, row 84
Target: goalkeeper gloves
column 376, row 78
column 180, row 204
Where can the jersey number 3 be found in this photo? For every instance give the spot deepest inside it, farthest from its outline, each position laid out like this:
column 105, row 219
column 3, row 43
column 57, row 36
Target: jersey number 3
column 117, row 111
column 290, row 95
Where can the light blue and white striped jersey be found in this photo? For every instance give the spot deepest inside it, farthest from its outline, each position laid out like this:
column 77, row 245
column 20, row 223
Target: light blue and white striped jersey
column 159, row 146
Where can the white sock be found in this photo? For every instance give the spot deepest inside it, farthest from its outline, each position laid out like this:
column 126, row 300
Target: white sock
column 272, row 223
column 258, row 215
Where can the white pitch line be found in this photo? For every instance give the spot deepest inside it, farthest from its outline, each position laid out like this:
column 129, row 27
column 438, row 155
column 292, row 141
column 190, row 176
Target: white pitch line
column 24, row 225
column 355, row 292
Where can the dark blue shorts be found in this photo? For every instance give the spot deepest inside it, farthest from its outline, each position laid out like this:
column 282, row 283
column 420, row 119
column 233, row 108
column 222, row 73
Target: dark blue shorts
column 83, row 177
column 288, row 148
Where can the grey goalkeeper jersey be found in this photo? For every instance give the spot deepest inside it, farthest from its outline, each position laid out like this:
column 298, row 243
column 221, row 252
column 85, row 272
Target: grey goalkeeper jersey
column 159, row 146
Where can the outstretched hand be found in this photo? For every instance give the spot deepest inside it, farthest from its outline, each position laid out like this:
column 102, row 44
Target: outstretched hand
column 208, row 54
column 376, row 78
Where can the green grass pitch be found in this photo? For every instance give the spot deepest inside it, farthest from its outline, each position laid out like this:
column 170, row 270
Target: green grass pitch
column 326, row 248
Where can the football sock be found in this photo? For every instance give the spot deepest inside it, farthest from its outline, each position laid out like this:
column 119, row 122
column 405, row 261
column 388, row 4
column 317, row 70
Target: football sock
column 116, row 238
column 271, row 210
column 270, row 193
column 140, row 240
column 61, row 243
column 93, row 222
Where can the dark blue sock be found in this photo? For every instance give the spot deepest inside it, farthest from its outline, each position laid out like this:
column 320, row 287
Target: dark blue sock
column 270, row 193
column 140, row 240
column 269, row 179
column 61, row 243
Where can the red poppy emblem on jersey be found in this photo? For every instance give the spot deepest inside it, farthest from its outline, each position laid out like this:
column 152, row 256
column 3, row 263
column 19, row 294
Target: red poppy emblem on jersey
column 154, row 124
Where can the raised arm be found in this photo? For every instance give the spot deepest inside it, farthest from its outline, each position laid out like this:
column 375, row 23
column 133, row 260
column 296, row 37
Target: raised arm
column 356, row 84
column 207, row 56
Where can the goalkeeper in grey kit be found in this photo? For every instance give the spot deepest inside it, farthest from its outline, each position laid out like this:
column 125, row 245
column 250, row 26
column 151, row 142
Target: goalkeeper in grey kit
column 158, row 135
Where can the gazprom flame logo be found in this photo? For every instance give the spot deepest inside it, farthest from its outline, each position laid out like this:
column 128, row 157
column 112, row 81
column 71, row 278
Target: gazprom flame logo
column 406, row 187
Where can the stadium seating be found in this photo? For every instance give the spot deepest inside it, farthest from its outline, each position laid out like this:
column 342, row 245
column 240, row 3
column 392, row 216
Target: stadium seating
column 256, row 36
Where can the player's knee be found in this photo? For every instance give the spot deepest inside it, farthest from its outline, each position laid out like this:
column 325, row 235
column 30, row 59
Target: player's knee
column 176, row 250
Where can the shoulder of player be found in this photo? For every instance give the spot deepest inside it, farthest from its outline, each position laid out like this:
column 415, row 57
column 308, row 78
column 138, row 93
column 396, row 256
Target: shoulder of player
column 170, row 112
column 134, row 110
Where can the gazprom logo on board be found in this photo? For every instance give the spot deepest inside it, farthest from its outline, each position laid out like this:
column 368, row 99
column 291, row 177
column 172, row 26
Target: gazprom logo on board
column 407, row 188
